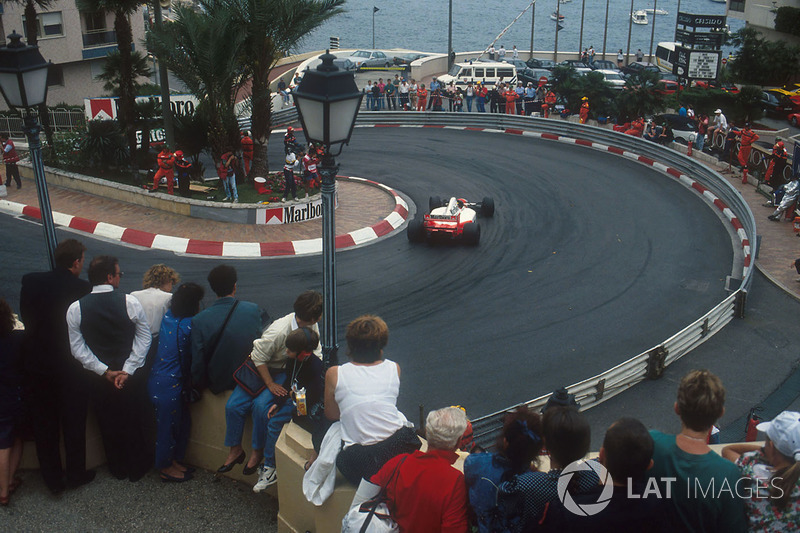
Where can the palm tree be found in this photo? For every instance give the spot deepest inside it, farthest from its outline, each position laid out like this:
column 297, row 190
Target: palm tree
column 204, row 51
column 122, row 10
column 271, row 27
column 112, row 72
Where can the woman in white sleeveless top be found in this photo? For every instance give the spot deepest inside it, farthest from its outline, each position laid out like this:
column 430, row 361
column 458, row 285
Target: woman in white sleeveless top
column 362, row 394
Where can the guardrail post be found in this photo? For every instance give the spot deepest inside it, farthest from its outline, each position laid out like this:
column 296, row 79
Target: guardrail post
column 601, row 388
column 738, row 306
column 655, row 362
column 704, row 328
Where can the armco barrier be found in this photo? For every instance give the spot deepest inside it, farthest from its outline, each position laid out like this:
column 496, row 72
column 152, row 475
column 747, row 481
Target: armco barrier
column 707, row 182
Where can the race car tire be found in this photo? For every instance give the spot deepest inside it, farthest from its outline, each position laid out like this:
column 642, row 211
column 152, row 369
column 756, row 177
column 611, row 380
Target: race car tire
column 415, row 231
column 487, row 206
column 472, row 233
column 434, row 202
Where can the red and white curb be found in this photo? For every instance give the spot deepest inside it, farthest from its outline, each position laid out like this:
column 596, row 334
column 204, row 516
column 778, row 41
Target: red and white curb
column 703, row 191
column 218, row 248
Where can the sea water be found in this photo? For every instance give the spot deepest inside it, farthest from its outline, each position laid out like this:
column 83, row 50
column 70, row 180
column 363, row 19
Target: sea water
column 422, row 25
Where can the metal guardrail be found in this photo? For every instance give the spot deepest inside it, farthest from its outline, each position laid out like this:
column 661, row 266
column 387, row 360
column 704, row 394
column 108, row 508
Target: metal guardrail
column 651, row 363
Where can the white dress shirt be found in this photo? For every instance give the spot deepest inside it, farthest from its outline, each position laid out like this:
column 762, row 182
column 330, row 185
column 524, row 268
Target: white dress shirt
column 141, row 340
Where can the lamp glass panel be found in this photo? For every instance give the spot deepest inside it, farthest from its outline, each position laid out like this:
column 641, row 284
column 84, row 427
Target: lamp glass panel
column 343, row 113
column 313, row 117
column 35, row 85
column 10, row 84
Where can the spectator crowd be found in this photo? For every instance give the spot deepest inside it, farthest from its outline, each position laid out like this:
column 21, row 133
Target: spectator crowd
column 139, row 360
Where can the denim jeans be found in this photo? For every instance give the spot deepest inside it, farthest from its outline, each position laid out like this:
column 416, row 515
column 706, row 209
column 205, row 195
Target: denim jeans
column 469, row 102
column 274, row 427
column 701, row 138
column 239, row 404
column 230, row 187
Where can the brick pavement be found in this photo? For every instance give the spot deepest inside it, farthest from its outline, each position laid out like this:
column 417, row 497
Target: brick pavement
column 360, row 205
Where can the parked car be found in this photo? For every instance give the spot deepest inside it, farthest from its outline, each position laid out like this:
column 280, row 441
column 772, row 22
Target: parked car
column 532, row 75
column 668, row 76
column 683, row 129
column 520, row 64
column 667, row 87
column 789, row 90
column 713, row 84
column 637, row 67
column 777, row 104
column 405, row 60
column 370, row 59
column 575, row 63
column 485, row 72
column 604, row 64
column 535, row 62
column 614, row 78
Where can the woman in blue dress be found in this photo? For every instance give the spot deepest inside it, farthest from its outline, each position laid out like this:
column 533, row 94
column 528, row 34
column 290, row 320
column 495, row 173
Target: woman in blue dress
column 169, row 378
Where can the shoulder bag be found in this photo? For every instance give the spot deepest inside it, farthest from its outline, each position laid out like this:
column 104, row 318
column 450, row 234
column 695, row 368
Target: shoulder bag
column 371, row 514
column 213, row 347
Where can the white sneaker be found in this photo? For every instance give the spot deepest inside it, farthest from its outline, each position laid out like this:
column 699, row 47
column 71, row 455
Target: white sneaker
column 268, row 476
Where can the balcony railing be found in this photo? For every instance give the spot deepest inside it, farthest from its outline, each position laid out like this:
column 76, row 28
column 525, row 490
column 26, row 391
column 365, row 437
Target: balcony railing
column 99, row 38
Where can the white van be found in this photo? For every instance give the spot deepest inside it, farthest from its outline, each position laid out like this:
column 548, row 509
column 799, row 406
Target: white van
column 486, row 72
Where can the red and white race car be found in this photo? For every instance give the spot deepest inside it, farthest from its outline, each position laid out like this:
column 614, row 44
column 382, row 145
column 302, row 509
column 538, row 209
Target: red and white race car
column 453, row 219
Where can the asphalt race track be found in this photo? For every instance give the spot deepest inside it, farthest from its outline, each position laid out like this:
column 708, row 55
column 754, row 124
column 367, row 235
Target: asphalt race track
column 590, row 259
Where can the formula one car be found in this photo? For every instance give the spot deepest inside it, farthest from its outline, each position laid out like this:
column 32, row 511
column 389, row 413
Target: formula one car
column 453, row 219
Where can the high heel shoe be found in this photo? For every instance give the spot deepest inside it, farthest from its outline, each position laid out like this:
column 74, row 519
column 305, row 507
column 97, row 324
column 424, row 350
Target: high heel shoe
column 249, row 470
column 229, row 466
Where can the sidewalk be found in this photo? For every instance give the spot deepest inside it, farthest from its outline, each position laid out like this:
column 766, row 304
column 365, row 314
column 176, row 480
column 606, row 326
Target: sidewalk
column 780, row 245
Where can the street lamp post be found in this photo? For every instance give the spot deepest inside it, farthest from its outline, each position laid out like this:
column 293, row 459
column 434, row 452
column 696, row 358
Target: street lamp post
column 23, row 82
column 327, row 101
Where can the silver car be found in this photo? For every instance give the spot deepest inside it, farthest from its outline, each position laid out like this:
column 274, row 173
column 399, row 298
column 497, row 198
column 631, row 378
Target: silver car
column 371, row 59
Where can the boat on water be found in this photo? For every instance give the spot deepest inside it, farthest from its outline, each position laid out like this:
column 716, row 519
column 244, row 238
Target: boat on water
column 557, row 16
column 651, row 11
column 639, row 17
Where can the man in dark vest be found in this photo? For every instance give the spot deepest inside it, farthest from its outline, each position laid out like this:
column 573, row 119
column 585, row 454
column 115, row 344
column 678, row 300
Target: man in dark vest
column 57, row 385
column 109, row 336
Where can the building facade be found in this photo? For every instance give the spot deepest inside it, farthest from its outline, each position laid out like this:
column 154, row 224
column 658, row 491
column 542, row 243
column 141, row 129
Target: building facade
column 77, row 44
column 760, row 14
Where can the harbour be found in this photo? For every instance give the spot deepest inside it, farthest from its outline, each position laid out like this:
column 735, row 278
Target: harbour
column 419, row 25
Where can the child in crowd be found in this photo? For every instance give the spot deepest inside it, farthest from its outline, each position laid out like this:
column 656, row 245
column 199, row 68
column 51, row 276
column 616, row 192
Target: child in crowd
column 303, row 378
column 773, row 473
